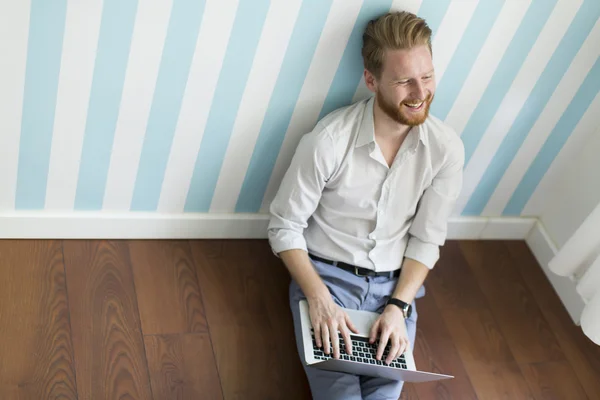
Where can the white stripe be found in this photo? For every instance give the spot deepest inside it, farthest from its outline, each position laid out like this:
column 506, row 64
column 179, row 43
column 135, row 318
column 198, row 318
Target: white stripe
column 513, row 101
column 562, row 96
column 487, row 61
column 14, row 33
column 270, row 53
column 587, row 126
column 362, row 92
column 213, row 38
column 321, row 72
column 82, row 27
column 450, row 33
column 406, row 5
column 147, row 45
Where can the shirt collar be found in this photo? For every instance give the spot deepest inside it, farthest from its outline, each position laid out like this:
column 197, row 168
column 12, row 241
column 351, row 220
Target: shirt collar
column 366, row 133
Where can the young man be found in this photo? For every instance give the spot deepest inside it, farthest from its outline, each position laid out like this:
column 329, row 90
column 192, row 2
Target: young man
column 363, row 208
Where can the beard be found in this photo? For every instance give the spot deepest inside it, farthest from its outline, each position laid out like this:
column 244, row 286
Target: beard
column 402, row 116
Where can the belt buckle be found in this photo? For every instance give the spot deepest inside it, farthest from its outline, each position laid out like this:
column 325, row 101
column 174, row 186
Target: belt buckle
column 357, row 273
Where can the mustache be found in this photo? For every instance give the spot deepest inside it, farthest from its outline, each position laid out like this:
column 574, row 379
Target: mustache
column 426, row 99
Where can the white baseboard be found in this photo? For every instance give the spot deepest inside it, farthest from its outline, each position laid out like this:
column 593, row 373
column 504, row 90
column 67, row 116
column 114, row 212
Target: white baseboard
column 131, row 225
column 484, row 228
column 544, row 249
column 143, row 225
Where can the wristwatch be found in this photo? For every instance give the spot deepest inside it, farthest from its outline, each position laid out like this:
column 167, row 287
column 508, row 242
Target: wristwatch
column 405, row 307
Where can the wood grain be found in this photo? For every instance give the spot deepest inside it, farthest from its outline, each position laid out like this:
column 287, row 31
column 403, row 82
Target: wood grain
column 182, row 367
column 478, row 339
column 582, row 353
column 109, row 349
column 553, row 380
column 87, row 321
column 434, row 351
column 36, row 353
column 409, row 392
column 519, row 317
column 465, row 310
column 236, row 285
column 167, row 290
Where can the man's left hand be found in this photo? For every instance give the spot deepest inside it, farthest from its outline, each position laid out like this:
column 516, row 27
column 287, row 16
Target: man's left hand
column 391, row 326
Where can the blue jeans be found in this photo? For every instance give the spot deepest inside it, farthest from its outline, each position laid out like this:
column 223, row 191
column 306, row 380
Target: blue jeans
column 358, row 293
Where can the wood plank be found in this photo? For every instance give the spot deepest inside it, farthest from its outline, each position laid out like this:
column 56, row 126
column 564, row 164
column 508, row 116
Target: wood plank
column 167, row 290
column 409, row 392
column 582, row 353
column 553, row 380
column 434, row 351
column 276, row 281
column 36, row 353
column 478, row 339
column 107, row 337
column 465, row 309
column 239, row 287
column 523, row 325
column 182, row 367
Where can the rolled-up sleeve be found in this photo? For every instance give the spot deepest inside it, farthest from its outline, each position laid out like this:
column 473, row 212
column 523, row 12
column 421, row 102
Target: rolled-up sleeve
column 430, row 225
column 300, row 191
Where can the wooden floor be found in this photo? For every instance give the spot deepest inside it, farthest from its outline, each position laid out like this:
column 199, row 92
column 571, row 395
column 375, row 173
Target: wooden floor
column 210, row 320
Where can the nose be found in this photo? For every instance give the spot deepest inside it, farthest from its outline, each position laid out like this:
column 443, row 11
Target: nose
column 419, row 91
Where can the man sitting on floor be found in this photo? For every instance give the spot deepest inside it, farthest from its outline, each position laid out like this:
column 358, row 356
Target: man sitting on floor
column 363, row 208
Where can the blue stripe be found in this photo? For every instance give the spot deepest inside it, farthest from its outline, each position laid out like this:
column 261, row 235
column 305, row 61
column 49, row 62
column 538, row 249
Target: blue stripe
column 433, row 11
column 465, row 55
column 350, row 70
column 247, row 28
column 555, row 142
column 568, row 47
column 302, row 45
column 116, row 30
column 180, row 44
column 46, row 29
column 515, row 55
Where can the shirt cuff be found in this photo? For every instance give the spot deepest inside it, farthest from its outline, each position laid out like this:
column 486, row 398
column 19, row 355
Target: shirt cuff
column 279, row 245
column 425, row 253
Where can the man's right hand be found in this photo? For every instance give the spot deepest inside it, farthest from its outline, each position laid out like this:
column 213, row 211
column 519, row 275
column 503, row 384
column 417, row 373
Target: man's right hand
column 327, row 319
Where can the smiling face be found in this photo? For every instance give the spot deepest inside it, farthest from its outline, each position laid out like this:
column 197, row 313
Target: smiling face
column 406, row 87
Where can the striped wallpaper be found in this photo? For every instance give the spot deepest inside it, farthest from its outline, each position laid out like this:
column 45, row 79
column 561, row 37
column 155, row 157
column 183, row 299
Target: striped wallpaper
column 197, row 105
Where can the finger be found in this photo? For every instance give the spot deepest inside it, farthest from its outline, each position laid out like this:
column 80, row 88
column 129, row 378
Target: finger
column 347, row 339
column 335, row 340
column 385, row 334
column 350, row 325
column 374, row 331
column 317, row 329
column 403, row 346
column 395, row 341
column 325, row 335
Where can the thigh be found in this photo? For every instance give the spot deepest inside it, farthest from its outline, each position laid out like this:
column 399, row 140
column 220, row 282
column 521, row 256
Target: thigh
column 325, row 385
column 330, row 385
column 380, row 388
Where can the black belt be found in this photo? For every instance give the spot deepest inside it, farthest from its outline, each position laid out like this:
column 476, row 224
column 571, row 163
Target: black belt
column 359, row 271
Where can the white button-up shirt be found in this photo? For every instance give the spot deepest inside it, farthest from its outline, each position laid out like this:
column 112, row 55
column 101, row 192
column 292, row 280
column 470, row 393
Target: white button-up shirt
column 339, row 199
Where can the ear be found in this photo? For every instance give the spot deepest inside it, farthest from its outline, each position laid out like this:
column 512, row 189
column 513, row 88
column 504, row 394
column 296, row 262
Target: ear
column 370, row 81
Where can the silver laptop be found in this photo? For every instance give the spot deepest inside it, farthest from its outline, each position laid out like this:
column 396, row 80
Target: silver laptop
column 362, row 361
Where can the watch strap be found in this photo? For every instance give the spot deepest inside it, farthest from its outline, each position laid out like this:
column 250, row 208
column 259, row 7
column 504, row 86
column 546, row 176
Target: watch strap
column 405, row 307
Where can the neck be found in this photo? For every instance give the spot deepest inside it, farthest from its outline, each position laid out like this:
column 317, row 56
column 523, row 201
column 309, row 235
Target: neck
column 386, row 127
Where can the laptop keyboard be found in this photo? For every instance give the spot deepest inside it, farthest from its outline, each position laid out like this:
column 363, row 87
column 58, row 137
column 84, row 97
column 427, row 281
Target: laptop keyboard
column 362, row 351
